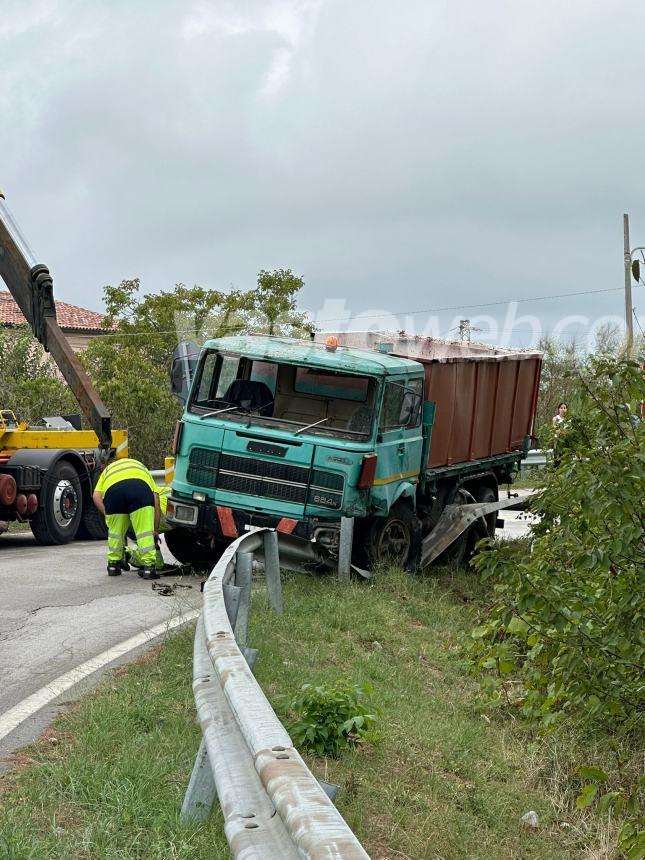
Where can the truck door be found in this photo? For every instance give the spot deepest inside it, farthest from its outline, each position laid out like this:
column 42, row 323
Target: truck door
column 399, row 452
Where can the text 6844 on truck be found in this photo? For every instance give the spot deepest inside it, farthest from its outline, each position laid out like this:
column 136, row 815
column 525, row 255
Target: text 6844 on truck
column 406, row 438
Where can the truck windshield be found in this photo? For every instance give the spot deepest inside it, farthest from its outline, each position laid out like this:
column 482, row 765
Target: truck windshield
column 301, row 398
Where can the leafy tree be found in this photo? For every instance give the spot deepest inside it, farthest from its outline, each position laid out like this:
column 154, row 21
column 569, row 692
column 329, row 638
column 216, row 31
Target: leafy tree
column 557, row 383
column 562, row 363
column 271, row 308
column 31, row 385
column 136, row 391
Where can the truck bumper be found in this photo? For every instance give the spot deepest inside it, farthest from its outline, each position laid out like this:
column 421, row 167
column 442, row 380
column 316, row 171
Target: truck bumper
column 223, row 523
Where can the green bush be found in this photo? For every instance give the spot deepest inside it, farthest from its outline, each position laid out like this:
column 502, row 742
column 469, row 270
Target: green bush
column 332, row 719
column 563, row 635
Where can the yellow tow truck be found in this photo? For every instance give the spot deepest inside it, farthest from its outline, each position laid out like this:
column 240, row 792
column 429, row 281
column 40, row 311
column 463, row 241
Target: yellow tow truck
column 47, row 473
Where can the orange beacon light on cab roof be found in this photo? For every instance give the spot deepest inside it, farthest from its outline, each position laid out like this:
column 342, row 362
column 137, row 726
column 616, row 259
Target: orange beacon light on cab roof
column 331, row 343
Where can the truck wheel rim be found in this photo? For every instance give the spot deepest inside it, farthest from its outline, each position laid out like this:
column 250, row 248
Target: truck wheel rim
column 394, row 543
column 65, row 504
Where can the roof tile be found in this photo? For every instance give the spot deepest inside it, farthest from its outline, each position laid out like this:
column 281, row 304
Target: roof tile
column 69, row 317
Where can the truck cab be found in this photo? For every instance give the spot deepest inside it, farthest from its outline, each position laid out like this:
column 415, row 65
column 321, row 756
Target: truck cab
column 293, row 435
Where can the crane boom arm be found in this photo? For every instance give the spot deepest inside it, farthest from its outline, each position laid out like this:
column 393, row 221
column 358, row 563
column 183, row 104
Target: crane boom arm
column 31, row 286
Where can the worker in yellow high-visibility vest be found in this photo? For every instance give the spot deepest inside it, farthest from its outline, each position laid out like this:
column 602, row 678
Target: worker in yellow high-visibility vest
column 133, row 557
column 125, row 494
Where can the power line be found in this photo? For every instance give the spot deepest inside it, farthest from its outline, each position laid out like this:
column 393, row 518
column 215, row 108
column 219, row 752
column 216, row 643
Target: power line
column 484, row 304
column 399, row 313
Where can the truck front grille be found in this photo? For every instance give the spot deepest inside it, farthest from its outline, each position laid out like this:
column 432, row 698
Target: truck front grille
column 202, row 467
column 264, row 478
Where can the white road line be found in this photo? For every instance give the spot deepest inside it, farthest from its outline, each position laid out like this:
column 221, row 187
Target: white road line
column 12, row 718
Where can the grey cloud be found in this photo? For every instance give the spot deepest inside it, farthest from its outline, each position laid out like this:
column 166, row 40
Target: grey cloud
column 400, row 157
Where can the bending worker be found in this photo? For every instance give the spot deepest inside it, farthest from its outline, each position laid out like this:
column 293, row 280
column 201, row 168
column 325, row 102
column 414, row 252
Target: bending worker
column 133, row 557
column 125, row 494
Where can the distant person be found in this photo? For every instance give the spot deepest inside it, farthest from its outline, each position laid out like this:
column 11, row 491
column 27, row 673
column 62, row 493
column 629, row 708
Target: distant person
column 558, row 422
column 558, row 418
column 125, row 495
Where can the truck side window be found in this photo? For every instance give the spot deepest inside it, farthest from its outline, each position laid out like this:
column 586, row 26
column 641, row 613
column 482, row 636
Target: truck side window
column 402, row 403
column 229, row 371
column 412, row 403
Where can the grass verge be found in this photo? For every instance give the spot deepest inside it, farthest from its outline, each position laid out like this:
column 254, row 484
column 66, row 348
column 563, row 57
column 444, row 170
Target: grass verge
column 445, row 781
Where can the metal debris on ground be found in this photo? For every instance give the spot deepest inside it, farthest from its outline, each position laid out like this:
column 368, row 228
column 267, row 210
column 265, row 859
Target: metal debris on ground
column 167, row 590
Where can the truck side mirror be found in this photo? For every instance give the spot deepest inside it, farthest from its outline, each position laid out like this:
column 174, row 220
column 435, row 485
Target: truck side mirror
column 184, row 360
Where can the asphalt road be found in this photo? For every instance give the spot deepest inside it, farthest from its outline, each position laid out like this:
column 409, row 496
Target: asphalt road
column 58, row 610
column 516, row 523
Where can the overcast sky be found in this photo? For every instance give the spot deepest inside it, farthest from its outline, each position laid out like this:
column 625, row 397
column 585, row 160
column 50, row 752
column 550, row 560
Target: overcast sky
column 400, row 156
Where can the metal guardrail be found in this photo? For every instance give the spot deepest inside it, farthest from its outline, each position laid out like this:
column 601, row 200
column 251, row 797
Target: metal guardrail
column 535, row 459
column 273, row 806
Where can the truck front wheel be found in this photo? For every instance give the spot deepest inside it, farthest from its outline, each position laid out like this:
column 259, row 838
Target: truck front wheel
column 61, row 506
column 188, row 548
column 395, row 539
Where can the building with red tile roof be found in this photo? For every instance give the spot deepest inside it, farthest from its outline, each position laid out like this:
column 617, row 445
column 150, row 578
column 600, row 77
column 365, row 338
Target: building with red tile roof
column 78, row 324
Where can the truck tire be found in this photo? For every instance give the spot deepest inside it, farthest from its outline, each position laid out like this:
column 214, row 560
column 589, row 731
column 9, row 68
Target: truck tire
column 395, row 539
column 187, row 548
column 461, row 551
column 486, row 494
column 61, row 506
column 457, row 553
column 93, row 525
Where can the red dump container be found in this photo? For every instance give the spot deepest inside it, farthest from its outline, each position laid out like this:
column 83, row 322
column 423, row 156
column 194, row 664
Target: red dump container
column 484, row 406
column 485, row 396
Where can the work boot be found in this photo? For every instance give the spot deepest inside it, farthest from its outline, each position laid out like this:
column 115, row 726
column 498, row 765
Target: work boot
column 124, row 564
column 130, row 557
column 114, row 568
column 148, row 573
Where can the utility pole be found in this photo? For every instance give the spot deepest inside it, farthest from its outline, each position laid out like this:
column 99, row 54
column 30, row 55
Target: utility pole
column 629, row 319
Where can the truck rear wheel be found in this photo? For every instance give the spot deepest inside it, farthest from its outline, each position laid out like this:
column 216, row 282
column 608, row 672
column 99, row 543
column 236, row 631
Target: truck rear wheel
column 461, row 551
column 486, row 495
column 395, row 539
column 457, row 553
column 61, row 506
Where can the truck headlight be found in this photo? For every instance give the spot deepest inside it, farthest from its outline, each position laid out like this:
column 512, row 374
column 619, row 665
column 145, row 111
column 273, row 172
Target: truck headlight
column 184, row 514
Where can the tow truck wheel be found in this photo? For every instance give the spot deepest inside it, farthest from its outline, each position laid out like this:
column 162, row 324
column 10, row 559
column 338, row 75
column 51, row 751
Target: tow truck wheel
column 61, row 506
column 395, row 539
column 187, row 548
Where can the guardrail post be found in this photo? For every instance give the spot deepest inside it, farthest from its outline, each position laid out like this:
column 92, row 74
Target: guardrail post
column 272, row 570
column 201, row 792
column 232, row 596
column 330, row 789
column 243, row 574
column 345, row 548
column 250, row 655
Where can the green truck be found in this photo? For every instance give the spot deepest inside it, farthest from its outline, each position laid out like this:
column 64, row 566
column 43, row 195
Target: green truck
column 388, row 435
